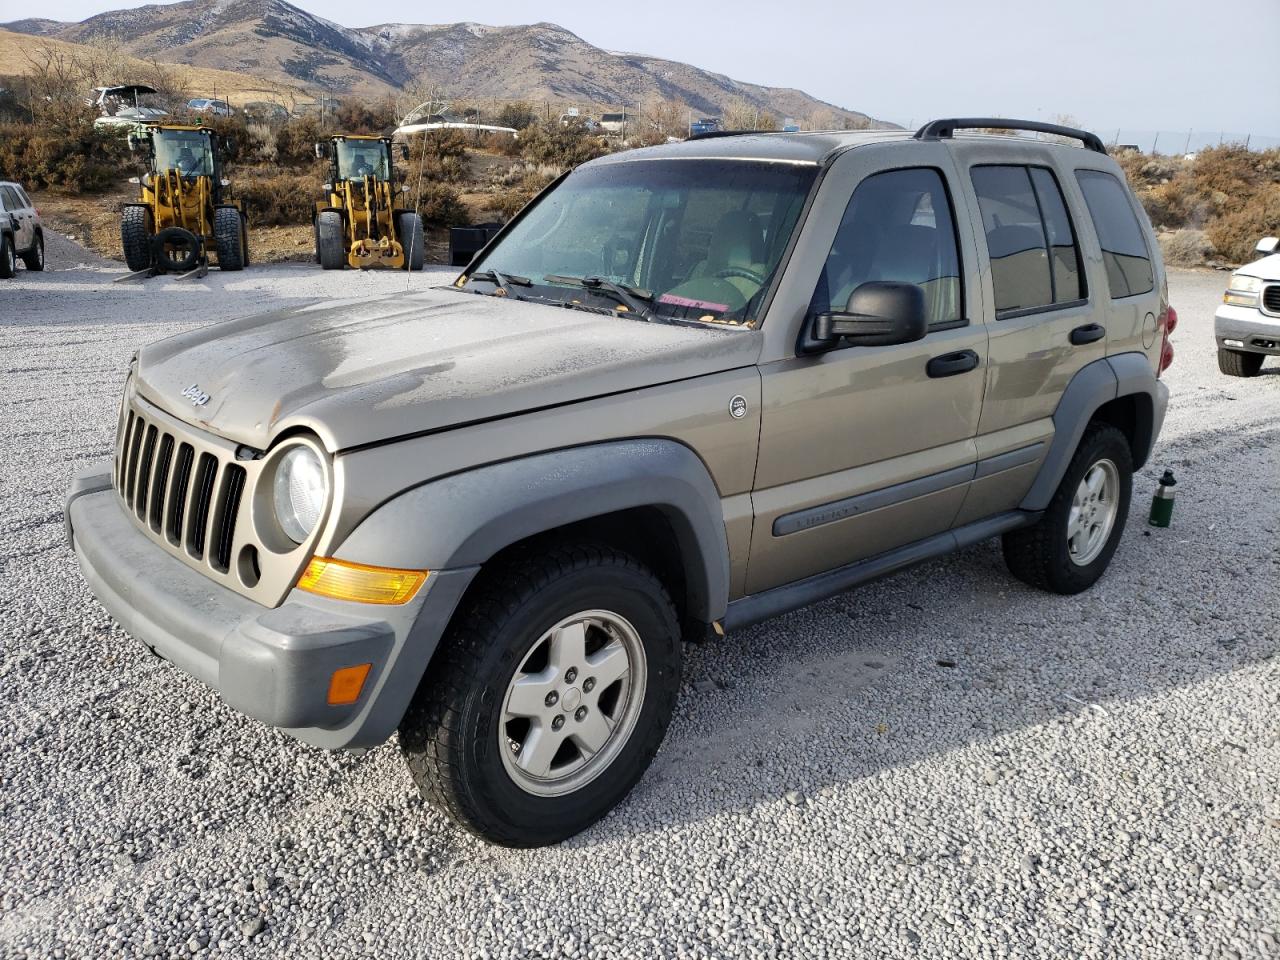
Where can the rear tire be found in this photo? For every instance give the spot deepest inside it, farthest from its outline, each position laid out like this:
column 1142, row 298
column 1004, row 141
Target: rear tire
column 412, row 239
column 455, row 732
column 8, row 259
column 34, row 258
column 1043, row 555
column 135, row 237
column 244, row 238
column 228, row 231
column 330, row 243
column 1237, row 363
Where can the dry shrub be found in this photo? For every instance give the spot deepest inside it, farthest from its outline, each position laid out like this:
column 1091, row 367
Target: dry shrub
column 441, row 206
column 296, row 140
column 560, row 145
column 439, row 155
column 1185, row 248
column 76, row 160
column 1235, row 233
column 278, row 199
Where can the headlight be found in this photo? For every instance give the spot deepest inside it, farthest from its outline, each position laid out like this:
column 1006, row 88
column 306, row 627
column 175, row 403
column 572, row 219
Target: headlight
column 300, row 492
column 1243, row 283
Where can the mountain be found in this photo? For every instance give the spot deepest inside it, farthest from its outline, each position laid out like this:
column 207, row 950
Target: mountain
column 541, row 61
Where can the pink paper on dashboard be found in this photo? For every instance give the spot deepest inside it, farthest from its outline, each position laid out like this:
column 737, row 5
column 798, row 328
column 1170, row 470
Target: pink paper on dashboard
column 696, row 304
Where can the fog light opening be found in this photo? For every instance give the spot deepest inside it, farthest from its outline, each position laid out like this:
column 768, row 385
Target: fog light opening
column 247, row 566
column 1233, row 343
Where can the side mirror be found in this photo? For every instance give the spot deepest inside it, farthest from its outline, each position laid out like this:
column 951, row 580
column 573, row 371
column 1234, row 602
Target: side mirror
column 133, row 146
column 879, row 313
column 1267, row 245
column 322, row 150
column 404, row 151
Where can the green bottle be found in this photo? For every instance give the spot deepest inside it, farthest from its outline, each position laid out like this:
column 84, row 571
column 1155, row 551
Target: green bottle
column 1162, row 502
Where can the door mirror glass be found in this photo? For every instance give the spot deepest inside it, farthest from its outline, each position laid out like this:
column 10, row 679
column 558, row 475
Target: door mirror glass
column 879, row 313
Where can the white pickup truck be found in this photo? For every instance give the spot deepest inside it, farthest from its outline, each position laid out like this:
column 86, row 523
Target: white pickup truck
column 1247, row 325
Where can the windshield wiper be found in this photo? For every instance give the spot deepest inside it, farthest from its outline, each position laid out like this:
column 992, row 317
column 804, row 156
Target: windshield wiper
column 629, row 297
column 504, row 281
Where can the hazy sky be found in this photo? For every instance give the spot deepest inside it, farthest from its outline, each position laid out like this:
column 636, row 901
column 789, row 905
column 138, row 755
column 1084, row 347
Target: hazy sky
column 1136, row 64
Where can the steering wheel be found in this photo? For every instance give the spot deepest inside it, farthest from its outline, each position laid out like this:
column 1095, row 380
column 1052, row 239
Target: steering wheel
column 742, row 272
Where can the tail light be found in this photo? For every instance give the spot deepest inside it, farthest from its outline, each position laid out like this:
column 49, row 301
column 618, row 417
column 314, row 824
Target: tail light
column 1169, row 323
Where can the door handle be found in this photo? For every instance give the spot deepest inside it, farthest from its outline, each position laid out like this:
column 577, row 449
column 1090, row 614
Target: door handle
column 1089, row 333
column 949, row 364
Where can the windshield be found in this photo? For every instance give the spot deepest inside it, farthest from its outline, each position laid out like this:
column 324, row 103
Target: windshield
column 358, row 159
column 703, row 238
column 188, row 151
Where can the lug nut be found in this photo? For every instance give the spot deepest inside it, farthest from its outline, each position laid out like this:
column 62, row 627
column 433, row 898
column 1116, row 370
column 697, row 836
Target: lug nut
column 552, row 697
column 588, row 684
column 580, row 713
column 571, row 675
column 558, row 722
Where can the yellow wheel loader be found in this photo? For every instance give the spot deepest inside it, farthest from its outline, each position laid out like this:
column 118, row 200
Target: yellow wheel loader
column 185, row 210
column 357, row 223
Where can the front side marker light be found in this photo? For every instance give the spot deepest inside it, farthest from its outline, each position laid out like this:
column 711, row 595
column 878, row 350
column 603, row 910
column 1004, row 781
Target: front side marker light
column 343, row 580
column 346, row 683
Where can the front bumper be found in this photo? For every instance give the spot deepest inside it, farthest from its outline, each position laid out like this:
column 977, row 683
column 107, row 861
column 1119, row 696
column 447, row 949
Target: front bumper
column 272, row 664
column 1257, row 332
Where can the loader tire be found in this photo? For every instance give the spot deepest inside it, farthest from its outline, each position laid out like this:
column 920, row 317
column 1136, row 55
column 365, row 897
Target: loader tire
column 329, row 240
column 187, row 249
column 135, row 237
column 412, row 239
column 228, row 231
column 244, row 238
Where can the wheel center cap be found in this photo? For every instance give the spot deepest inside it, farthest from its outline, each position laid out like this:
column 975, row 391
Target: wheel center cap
column 571, row 700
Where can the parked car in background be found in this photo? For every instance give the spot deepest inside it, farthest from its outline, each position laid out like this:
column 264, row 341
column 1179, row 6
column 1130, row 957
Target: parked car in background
column 218, row 108
column 21, row 233
column 1247, row 324
column 705, row 125
column 265, row 110
column 127, row 119
column 613, row 122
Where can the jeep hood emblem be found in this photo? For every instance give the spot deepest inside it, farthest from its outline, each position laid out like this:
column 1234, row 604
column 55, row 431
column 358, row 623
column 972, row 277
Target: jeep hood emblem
column 197, row 396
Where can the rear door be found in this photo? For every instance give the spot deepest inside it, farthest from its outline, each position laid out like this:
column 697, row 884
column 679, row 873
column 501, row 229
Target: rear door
column 861, row 448
column 1043, row 321
column 20, row 216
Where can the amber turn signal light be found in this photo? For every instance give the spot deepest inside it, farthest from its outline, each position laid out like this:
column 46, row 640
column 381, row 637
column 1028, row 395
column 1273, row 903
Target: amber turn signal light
column 346, row 683
column 343, row 580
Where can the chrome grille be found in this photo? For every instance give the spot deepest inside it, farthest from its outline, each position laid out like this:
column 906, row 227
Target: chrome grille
column 191, row 492
column 1271, row 299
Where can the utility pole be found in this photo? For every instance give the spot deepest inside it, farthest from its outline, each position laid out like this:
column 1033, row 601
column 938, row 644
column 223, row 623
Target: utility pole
column 1187, row 146
column 1153, row 144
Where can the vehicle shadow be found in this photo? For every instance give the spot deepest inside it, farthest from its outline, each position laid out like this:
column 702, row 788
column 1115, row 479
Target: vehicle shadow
column 953, row 655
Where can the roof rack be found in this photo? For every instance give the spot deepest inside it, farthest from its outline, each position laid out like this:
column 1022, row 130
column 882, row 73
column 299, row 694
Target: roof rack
column 943, row 129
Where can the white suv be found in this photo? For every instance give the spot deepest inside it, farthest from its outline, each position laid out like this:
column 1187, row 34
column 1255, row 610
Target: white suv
column 1247, row 325
column 21, row 234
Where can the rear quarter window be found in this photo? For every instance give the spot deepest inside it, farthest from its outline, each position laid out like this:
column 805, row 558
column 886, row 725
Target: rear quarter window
column 1124, row 248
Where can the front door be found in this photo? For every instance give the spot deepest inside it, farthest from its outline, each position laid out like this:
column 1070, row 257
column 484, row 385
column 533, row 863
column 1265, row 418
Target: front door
column 863, row 449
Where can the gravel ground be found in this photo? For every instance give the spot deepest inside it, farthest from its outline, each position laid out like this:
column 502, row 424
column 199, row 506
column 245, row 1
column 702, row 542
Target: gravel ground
column 944, row 764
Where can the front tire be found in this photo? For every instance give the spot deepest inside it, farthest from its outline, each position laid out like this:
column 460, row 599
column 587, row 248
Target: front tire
column 228, row 231
column 412, row 239
column 8, row 259
column 34, row 258
column 549, row 696
column 331, row 244
column 1237, row 363
column 135, row 238
column 1069, row 548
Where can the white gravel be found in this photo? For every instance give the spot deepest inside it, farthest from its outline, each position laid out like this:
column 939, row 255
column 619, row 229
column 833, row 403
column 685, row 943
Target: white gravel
column 944, row 764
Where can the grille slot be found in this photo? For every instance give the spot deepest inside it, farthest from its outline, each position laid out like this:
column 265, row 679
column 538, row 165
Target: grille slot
column 131, row 461
column 144, row 472
column 122, row 454
column 1271, row 298
column 178, row 494
column 201, row 501
column 223, row 531
column 160, row 482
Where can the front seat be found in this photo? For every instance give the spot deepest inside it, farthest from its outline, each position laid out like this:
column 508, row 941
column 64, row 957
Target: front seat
column 737, row 244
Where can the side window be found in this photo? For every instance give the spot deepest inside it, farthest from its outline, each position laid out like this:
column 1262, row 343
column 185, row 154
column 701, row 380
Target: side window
column 898, row 226
column 22, row 196
column 1124, row 249
column 11, row 201
column 1035, row 261
column 1064, row 252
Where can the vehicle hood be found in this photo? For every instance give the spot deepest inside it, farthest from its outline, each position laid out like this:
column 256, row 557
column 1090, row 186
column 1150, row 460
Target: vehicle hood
column 358, row 372
column 1268, row 268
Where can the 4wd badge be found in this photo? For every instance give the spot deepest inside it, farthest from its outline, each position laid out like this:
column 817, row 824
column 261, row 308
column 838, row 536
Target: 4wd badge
column 197, row 396
column 738, row 407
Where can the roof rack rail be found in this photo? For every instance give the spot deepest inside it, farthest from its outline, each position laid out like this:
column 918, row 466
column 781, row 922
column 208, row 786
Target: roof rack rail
column 713, row 134
column 943, row 129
